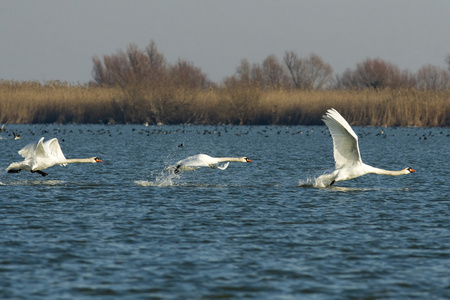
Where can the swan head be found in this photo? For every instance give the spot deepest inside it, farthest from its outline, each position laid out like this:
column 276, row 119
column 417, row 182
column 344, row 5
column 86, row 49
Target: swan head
column 246, row 159
column 96, row 160
column 409, row 170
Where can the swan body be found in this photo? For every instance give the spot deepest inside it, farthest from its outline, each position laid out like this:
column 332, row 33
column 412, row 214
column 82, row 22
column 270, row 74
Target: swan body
column 43, row 155
column 348, row 163
column 203, row 160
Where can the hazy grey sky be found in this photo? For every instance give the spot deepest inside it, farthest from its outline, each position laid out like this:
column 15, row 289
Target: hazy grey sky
column 56, row 40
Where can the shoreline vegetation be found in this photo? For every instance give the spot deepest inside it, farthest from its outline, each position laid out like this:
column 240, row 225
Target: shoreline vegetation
column 140, row 86
column 56, row 102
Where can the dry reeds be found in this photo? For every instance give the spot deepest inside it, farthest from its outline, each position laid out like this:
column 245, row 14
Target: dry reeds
column 56, row 102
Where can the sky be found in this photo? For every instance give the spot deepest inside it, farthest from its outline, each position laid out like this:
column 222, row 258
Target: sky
column 56, row 39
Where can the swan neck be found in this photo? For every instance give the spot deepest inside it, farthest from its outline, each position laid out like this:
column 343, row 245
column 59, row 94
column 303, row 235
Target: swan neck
column 223, row 159
column 78, row 160
column 379, row 171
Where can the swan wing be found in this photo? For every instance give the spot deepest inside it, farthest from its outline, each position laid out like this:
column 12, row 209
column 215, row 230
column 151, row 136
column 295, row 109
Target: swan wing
column 29, row 151
column 224, row 166
column 345, row 140
column 200, row 160
column 188, row 164
column 35, row 156
column 52, row 148
column 47, row 154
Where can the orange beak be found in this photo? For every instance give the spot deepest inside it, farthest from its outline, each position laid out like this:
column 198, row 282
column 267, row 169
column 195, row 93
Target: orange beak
column 411, row 170
column 98, row 160
column 249, row 160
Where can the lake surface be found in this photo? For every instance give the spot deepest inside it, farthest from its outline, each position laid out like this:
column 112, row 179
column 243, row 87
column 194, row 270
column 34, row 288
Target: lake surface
column 126, row 229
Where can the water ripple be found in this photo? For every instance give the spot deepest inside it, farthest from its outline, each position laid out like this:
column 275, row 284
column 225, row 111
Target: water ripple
column 125, row 229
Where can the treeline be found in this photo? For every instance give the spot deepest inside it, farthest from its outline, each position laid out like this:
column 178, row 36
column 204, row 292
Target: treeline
column 149, row 68
column 139, row 86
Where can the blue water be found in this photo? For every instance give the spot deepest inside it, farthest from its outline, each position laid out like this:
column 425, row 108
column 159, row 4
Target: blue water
column 126, row 229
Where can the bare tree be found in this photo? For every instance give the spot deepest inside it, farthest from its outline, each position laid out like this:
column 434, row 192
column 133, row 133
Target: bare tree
column 308, row 73
column 117, row 69
column 447, row 60
column 149, row 68
column 375, row 73
column 293, row 64
column 346, row 80
column 158, row 64
column 273, row 73
column 139, row 64
column 98, row 71
column 433, row 78
column 246, row 75
column 187, row 75
column 244, row 71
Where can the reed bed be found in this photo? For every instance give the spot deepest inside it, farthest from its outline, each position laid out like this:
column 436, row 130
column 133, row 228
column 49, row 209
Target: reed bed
column 56, row 102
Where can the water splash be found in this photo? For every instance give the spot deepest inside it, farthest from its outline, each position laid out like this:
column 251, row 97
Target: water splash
column 308, row 182
column 311, row 182
column 321, row 181
column 165, row 178
column 324, row 181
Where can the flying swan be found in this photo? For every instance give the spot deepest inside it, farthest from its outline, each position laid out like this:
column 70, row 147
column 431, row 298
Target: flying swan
column 346, row 153
column 203, row 160
column 44, row 155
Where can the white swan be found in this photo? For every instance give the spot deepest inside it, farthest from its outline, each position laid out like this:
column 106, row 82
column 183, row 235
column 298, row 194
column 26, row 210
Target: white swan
column 203, row 160
column 346, row 153
column 42, row 155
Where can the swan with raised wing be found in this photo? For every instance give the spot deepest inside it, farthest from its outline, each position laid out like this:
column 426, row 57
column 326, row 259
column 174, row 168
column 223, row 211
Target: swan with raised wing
column 44, row 155
column 203, row 160
column 346, row 153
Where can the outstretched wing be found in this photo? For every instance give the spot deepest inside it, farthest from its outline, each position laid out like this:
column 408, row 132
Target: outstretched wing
column 200, row 160
column 52, row 148
column 194, row 162
column 29, row 151
column 345, row 140
column 224, row 166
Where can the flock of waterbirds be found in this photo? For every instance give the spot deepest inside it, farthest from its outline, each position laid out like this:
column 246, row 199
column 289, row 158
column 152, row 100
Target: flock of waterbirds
column 348, row 162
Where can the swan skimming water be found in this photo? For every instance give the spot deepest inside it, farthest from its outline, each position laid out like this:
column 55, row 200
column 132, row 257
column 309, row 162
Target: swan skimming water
column 44, row 155
column 203, row 160
column 346, row 153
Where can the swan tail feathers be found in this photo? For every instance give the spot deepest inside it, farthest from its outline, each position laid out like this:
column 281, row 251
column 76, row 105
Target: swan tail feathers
column 13, row 166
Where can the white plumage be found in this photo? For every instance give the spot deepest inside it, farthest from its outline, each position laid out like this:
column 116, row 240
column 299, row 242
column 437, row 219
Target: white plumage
column 346, row 153
column 43, row 155
column 203, row 160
